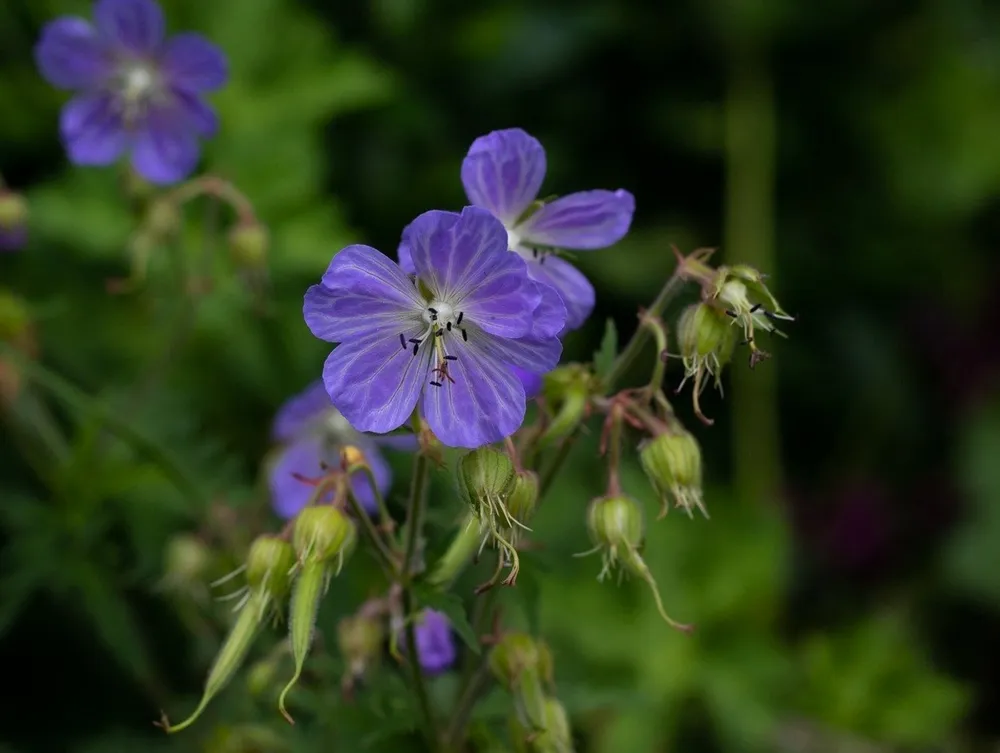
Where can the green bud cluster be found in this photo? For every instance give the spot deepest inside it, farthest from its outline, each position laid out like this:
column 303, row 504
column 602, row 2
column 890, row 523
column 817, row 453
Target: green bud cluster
column 672, row 462
column 617, row 529
column 552, row 735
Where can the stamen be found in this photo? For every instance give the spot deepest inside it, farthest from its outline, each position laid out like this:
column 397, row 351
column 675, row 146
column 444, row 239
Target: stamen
column 415, row 341
column 451, row 358
column 731, row 313
column 458, row 322
column 465, row 336
column 449, row 326
column 415, row 347
column 402, row 340
column 432, row 310
column 438, row 332
column 436, row 384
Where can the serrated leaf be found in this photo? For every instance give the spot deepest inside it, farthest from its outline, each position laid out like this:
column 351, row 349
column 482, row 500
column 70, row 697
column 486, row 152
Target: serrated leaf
column 451, row 606
column 604, row 357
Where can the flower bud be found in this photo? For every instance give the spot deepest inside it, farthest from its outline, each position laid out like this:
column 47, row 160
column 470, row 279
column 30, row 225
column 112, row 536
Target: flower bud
column 322, row 533
column 360, row 639
column 616, row 528
column 485, row 480
column 552, row 736
column 707, row 340
column 672, row 462
column 13, row 220
column 517, row 653
column 186, row 561
column 248, row 244
column 269, row 566
column 163, row 218
column 567, row 390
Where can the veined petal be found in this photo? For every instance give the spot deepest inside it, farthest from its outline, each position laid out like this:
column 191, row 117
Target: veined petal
column 166, row 145
column 135, row 25
column 362, row 291
column 531, row 354
column 503, row 172
column 191, row 63
column 92, row 130
column 481, row 401
column 581, row 221
column 404, row 256
column 374, row 382
column 303, row 458
column 549, row 317
column 300, row 412
column 463, row 259
column 531, row 381
column 576, row 291
column 71, row 55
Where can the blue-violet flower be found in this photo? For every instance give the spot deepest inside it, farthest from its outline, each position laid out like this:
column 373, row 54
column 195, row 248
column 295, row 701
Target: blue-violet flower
column 138, row 92
column 436, row 650
column 446, row 337
column 311, row 432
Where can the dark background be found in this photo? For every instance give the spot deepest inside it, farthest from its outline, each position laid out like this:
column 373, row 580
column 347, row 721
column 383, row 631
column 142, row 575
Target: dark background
column 846, row 588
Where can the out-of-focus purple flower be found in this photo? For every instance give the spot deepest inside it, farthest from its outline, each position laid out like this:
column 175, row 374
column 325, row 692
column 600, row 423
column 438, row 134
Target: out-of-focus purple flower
column 503, row 173
column 312, row 431
column 436, row 650
column 445, row 338
column 13, row 240
column 138, row 91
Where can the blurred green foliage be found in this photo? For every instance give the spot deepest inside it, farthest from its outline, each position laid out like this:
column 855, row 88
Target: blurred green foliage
column 344, row 121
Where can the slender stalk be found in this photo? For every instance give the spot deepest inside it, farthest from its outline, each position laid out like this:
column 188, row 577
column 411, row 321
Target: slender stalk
column 415, row 514
column 641, row 334
column 385, row 556
column 76, row 398
column 383, row 509
column 749, row 239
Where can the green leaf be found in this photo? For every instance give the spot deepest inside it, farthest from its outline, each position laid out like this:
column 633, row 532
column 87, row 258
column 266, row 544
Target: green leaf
column 451, row 606
column 604, row 357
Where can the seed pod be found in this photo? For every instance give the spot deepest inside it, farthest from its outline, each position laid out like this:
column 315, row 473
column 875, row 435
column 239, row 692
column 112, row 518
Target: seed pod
column 309, row 589
column 270, row 562
column 616, row 528
column 705, row 333
column 672, row 462
column 230, row 656
column 323, row 533
column 523, row 497
column 485, row 479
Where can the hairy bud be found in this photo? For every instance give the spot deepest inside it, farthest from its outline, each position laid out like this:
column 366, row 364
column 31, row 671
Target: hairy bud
column 323, row 533
column 270, row 562
column 552, row 736
column 617, row 530
column 672, row 462
column 248, row 244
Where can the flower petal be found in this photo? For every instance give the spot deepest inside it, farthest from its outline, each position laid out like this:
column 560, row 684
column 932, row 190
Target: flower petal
column 192, row 63
column 581, row 221
column 531, row 381
column 576, row 291
column 304, row 458
column 70, row 55
column 404, row 256
column 201, row 118
column 362, row 291
column 481, row 402
column 503, row 172
column 135, row 25
column 166, row 146
column 549, row 317
column 463, row 259
column 300, row 412
column 374, row 382
column 540, row 355
column 435, row 644
column 92, row 130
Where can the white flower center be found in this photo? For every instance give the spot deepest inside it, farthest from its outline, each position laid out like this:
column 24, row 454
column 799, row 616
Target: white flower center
column 513, row 239
column 440, row 313
column 337, row 425
column 137, row 82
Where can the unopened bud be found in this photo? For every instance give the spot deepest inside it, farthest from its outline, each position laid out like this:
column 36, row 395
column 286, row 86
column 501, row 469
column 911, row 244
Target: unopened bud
column 554, row 735
column 269, row 566
column 567, row 390
column 186, row 561
column 351, row 457
column 707, row 339
column 523, row 497
column 163, row 218
column 322, row 533
column 517, row 653
column 672, row 462
column 360, row 639
column 13, row 220
column 617, row 529
column 248, row 244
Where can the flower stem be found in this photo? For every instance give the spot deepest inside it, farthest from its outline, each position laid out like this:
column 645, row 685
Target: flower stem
column 385, row 557
column 641, row 335
column 414, row 524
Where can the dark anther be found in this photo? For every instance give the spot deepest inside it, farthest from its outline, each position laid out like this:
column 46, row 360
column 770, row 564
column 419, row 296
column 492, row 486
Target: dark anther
column 449, row 326
column 438, row 332
column 451, row 358
column 433, row 311
column 731, row 313
column 415, row 341
column 465, row 336
column 756, row 306
column 458, row 321
column 415, row 346
column 434, row 317
column 534, row 253
column 436, row 384
column 402, row 340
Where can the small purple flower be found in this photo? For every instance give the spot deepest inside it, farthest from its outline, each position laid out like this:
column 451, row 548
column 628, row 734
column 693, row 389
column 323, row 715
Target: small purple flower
column 503, row 173
column 446, row 337
column 138, row 91
column 436, row 650
column 14, row 239
column 312, row 432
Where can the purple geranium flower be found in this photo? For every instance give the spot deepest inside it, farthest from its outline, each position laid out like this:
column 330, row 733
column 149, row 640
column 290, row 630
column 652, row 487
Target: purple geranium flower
column 446, row 338
column 138, row 91
column 312, row 432
column 503, row 173
column 436, row 650
column 13, row 239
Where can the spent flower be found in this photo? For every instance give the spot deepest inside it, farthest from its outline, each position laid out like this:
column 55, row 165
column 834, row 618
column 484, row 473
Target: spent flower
column 748, row 301
column 444, row 339
column 138, row 91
